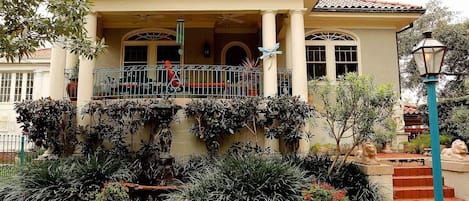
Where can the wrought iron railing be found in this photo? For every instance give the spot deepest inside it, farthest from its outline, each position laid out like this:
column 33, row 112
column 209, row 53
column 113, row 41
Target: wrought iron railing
column 182, row 81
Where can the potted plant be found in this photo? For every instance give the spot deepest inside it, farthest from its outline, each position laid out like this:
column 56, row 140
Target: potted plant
column 72, row 85
column 249, row 75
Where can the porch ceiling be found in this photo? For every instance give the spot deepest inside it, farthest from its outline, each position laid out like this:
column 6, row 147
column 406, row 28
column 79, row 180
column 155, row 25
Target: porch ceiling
column 246, row 19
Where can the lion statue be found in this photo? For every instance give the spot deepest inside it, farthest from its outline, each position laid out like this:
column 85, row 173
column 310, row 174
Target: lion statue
column 367, row 154
column 457, row 152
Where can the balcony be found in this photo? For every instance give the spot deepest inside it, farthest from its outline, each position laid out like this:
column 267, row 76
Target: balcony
column 179, row 81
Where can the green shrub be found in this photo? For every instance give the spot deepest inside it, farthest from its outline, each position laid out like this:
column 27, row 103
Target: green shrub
column 245, row 178
column 72, row 179
column 424, row 141
column 322, row 149
column 446, row 140
column 349, row 177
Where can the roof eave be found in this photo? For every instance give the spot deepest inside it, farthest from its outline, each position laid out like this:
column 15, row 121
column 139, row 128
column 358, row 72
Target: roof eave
column 368, row 10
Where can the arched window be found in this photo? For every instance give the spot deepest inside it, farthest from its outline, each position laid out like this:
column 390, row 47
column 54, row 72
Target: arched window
column 331, row 54
column 150, row 46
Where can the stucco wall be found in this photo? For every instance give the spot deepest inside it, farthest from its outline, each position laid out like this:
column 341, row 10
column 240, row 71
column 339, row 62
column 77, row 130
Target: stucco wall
column 194, row 42
column 379, row 55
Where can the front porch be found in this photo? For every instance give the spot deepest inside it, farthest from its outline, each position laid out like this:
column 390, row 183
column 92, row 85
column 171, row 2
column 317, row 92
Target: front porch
column 178, row 81
column 206, row 63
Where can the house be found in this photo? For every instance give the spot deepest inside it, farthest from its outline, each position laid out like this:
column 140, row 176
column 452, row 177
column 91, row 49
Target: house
column 22, row 81
column 193, row 49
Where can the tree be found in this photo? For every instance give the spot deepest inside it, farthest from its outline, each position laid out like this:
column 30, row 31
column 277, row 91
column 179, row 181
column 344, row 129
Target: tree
column 26, row 25
column 353, row 108
column 439, row 20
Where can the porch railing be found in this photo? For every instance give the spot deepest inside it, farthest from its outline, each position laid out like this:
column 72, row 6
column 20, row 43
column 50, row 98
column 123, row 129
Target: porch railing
column 182, row 81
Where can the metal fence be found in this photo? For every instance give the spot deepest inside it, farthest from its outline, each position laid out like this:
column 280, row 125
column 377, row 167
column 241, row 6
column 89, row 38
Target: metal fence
column 14, row 151
column 180, row 81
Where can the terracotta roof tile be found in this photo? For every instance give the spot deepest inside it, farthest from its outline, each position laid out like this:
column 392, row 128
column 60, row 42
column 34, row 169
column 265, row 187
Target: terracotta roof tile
column 410, row 109
column 366, row 6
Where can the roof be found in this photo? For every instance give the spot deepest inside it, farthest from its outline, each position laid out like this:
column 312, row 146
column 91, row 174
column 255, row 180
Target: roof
column 366, row 6
column 410, row 109
column 42, row 54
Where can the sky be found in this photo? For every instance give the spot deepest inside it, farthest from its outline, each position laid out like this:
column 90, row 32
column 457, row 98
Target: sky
column 461, row 6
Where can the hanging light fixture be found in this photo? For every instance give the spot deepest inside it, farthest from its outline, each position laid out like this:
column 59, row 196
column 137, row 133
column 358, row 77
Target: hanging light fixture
column 180, row 31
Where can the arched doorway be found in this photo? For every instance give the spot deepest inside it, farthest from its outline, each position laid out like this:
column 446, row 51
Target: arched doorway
column 235, row 56
column 234, row 53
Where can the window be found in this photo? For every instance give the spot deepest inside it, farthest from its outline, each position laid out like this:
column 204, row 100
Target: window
column 150, row 47
column 316, row 61
column 345, row 60
column 330, row 54
column 5, row 87
column 16, row 86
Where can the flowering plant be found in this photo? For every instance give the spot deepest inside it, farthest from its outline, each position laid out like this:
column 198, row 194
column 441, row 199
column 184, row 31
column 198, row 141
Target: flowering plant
column 324, row 192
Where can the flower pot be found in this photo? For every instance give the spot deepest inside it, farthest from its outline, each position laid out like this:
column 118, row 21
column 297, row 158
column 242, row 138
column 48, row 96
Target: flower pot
column 252, row 92
column 72, row 89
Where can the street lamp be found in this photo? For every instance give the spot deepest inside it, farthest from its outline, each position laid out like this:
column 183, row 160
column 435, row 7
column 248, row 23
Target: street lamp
column 428, row 55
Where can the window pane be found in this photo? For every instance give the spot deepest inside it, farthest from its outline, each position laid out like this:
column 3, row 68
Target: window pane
column 29, row 86
column 5, row 85
column 343, row 68
column 346, row 53
column 135, row 55
column 316, row 53
column 316, row 70
column 346, row 59
column 18, row 86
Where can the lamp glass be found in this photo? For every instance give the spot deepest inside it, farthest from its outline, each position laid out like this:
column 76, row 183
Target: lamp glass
column 420, row 61
column 434, row 59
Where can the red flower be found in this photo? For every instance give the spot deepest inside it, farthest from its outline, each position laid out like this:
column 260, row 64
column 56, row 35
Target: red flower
column 307, row 196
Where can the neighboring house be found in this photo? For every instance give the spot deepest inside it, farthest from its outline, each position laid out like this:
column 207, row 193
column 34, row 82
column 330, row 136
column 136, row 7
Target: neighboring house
column 413, row 122
column 146, row 57
column 27, row 80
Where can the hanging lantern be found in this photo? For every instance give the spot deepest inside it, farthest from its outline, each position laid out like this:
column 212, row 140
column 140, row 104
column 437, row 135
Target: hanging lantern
column 180, row 31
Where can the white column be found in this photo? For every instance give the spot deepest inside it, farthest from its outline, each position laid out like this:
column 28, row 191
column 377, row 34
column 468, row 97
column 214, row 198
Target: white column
column 269, row 38
column 299, row 77
column 72, row 60
column 288, row 48
column 86, row 68
column 57, row 66
column 300, row 80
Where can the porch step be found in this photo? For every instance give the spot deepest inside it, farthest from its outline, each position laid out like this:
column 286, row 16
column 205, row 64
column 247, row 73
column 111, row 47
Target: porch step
column 430, row 199
column 408, row 181
column 416, row 184
column 420, row 192
column 412, row 171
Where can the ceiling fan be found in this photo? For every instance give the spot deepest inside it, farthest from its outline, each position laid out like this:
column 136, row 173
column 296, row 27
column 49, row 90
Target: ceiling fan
column 142, row 18
column 230, row 18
